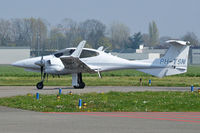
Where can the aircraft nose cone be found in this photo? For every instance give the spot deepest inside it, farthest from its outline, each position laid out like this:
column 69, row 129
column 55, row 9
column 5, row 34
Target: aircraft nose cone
column 18, row 64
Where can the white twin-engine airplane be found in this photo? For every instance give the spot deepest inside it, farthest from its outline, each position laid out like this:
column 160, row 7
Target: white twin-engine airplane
column 80, row 60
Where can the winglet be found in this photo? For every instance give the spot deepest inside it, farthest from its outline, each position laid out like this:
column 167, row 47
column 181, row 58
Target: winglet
column 79, row 49
column 100, row 48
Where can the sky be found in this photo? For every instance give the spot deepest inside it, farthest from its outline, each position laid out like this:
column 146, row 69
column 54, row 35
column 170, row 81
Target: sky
column 173, row 17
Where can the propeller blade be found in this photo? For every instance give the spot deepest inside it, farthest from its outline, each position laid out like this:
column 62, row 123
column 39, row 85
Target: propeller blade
column 47, row 77
column 42, row 64
column 42, row 61
column 41, row 70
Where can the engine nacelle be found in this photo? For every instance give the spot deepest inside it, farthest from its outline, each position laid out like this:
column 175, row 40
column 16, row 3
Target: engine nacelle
column 54, row 69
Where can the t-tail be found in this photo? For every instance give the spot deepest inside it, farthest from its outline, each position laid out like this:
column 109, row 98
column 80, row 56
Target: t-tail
column 175, row 61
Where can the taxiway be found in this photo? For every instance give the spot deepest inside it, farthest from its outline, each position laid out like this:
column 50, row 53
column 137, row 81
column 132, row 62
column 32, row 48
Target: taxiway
column 21, row 121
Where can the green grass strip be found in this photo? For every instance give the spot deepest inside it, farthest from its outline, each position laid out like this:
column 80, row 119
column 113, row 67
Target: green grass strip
column 109, row 102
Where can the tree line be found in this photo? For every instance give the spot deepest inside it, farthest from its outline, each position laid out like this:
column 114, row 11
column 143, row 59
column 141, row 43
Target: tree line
column 39, row 34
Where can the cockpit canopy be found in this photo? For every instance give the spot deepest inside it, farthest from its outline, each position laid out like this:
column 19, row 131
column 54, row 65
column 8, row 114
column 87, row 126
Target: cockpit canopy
column 84, row 54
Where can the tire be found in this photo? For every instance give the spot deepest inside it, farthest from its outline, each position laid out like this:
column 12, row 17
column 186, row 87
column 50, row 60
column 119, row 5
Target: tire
column 76, row 87
column 81, row 86
column 40, row 85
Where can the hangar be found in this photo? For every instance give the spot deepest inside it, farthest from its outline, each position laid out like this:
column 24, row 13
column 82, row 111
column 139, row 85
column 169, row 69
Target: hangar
column 150, row 53
column 11, row 54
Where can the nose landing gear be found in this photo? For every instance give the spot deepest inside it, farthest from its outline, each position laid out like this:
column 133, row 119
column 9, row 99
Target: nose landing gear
column 40, row 84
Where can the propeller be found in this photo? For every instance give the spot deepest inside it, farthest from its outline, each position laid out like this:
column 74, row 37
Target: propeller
column 41, row 63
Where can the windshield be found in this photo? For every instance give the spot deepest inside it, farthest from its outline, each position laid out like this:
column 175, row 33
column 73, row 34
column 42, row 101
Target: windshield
column 65, row 52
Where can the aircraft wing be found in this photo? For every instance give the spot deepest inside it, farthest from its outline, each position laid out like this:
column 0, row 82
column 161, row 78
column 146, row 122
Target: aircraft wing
column 75, row 64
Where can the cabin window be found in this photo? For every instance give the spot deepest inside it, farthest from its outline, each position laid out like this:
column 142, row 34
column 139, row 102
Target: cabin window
column 88, row 53
column 84, row 53
column 68, row 52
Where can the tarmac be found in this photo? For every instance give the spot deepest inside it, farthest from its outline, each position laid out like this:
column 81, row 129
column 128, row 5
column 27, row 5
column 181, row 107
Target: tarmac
column 22, row 121
column 6, row 91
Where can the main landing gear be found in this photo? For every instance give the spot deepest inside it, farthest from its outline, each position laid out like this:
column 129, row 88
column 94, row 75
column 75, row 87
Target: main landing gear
column 40, row 84
column 77, row 81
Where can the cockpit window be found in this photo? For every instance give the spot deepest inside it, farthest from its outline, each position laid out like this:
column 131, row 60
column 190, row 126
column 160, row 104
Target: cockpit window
column 58, row 54
column 88, row 53
column 66, row 52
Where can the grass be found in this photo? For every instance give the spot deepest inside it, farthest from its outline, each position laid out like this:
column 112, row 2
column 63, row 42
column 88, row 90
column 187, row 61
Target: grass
column 10, row 75
column 105, row 81
column 108, row 102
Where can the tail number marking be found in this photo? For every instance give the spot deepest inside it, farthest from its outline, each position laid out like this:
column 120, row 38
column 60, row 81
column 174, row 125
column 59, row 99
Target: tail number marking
column 175, row 61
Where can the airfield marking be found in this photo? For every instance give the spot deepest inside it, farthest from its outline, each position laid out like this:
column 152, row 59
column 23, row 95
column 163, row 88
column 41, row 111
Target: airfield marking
column 190, row 117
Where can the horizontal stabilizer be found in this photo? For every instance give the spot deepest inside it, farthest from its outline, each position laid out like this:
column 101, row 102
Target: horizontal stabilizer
column 178, row 42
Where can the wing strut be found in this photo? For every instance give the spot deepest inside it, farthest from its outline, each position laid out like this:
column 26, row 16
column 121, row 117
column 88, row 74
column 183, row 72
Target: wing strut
column 99, row 73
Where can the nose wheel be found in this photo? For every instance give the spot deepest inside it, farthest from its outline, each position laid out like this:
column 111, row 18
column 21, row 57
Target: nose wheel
column 40, row 85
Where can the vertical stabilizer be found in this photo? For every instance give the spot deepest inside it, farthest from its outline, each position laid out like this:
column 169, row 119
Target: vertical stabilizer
column 175, row 61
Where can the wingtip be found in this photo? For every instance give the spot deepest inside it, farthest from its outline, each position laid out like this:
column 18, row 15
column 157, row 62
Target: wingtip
column 84, row 41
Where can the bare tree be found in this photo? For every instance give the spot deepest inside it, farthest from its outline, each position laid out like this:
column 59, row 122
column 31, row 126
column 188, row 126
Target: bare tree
column 21, row 32
column 119, row 34
column 38, row 34
column 71, row 30
column 57, row 39
column 192, row 38
column 5, row 32
column 92, row 31
column 153, row 34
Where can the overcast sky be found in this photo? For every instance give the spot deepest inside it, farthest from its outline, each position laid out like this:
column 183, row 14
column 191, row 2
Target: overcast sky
column 173, row 17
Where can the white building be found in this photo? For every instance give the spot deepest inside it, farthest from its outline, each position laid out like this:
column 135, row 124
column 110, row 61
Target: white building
column 9, row 55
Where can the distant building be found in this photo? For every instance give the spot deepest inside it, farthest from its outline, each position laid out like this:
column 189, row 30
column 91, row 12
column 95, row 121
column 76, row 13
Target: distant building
column 150, row 53
column 9, row 55
column 195, row 56
column 142, row 53
column 154, row 55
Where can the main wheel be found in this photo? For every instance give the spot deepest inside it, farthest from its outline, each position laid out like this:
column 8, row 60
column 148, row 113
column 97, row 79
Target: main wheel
column 81, row 86
column 76, row 87
column 40, row 85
